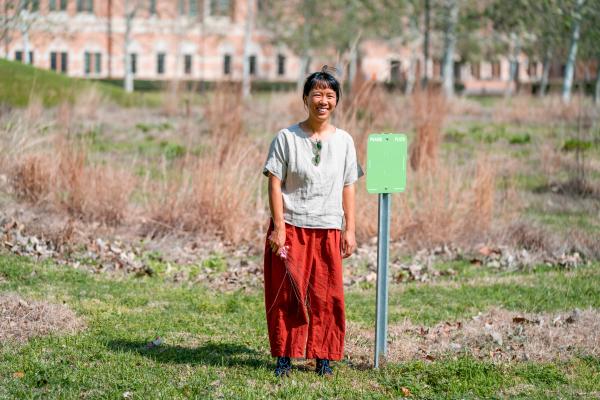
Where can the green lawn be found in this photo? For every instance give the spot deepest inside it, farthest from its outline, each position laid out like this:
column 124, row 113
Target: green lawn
column 216, row 344
column 19, row 82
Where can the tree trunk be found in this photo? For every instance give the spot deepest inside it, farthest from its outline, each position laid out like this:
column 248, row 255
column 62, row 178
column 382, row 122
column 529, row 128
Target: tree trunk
column 128, row 79
column 410, row 76
column 426, row 43
column 305, row 61
column 247, row 42
column 109, row 40
column 449, row 44
column 513, row 73
column 353, row 64
column 572, row 55
column 352, row 69
column 545, row 73
column 24, row 24
column 305, row 58
column 597, row 88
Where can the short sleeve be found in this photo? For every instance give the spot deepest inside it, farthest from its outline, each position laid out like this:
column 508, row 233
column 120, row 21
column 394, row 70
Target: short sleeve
column 277, row 159
column 352, row 170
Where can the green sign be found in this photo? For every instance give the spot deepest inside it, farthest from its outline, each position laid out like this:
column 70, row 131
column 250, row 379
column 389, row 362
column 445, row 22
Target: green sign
column 386, row 163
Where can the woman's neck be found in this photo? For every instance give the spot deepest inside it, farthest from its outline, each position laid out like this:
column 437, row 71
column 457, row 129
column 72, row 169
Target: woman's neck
column 316, row 127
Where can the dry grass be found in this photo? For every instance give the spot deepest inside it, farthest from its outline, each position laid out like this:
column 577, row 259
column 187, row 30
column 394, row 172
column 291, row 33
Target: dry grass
column 31, row 178
column 88, row 104
column 447, row 202
column 497, row 335
column 216, row 187
column 219, row 191
column 429, row 112
column 64, row 181
column 21, row 319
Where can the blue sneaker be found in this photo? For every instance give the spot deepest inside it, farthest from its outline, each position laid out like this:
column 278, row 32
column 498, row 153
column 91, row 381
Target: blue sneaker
column 323, row 367
column 284, row 367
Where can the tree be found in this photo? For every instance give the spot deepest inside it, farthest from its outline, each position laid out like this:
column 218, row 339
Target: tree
column 510, row 20
column 590, row 51
column 249, row 27
column 575, row 21
column 130, row 9
column 308, row 27
column 451, row 9
column 8, row 21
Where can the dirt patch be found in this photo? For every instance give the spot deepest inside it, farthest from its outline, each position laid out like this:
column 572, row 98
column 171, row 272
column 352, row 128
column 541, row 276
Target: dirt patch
column 21, row 319
column 498, row 335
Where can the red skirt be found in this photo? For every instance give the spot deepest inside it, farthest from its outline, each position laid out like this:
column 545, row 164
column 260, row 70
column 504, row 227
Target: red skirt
column 304, row 295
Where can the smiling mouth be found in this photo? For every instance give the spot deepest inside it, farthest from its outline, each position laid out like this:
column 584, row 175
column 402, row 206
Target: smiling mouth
column 322, row 110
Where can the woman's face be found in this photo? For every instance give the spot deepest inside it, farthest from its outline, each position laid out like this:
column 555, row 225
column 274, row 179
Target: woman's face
column 320, row 103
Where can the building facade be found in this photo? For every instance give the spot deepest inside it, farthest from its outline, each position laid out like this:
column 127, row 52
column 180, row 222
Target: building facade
column 201, row 40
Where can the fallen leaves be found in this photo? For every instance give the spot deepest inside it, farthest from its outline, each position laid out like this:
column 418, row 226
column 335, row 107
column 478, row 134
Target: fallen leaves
column 498, row 335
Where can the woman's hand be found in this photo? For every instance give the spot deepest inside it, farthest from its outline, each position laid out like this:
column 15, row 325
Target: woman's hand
column 348, row 243
column 277, row 239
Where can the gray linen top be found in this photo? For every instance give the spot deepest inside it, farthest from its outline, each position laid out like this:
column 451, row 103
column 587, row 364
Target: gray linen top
column 312, row 194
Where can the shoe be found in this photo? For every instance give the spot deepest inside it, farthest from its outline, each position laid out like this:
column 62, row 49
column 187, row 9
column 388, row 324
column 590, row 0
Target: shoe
column 284, row 367
column 323, row 367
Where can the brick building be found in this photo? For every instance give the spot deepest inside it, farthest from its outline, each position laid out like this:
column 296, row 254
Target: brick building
column 199, row 40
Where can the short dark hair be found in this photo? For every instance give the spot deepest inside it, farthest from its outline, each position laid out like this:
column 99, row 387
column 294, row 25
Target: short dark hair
column 322, row 79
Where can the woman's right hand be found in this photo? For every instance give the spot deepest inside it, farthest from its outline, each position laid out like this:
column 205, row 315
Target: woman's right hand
column 277, row 239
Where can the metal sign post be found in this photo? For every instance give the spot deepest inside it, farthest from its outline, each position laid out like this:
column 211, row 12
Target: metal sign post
column 382, row 277
column 386, row 174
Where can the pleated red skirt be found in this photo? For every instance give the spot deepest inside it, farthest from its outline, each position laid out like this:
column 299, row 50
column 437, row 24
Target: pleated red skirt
column 304, row 295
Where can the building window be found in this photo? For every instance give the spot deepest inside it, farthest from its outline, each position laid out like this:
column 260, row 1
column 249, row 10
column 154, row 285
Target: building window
column 187, row 64
column 160, row 63
column 476, row 70
column 532, row 69
column 496, row 70
column 227, row 64
column 220, row 8
column 59, row 61
column 188, row 7
column 280, row 64
column 85, row 6
column 57, row 5
column 193, row 7
column 457, row 70
column 133, row 63
column 437, row 69
column 19, row 56
column 152, row 7
column 395, row 67
column 64, row 62
column 87, row 63
column 93, row 63
column 252, row 64
column 30, row 5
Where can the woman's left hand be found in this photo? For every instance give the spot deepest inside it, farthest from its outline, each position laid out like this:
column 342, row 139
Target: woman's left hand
column 348, row 243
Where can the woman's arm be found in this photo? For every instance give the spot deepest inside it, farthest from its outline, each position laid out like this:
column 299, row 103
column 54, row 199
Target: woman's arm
column 349, row 234
column 276, row 205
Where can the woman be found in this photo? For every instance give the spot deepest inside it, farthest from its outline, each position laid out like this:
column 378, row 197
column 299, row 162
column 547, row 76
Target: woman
column 312, row 169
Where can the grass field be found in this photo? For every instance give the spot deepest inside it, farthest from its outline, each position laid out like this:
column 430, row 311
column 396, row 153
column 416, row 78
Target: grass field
column 215, row 344
column 20, row 83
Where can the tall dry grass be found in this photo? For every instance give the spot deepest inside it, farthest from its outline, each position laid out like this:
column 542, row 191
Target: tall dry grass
column 63, row 180
column 429, row 111
column 446, row 202
column 219, row 191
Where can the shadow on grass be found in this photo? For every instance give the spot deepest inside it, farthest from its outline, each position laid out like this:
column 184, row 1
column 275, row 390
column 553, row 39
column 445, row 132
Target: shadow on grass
column 216, row 354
